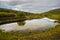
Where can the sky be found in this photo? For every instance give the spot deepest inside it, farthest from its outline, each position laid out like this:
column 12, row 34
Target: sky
column 34, row 6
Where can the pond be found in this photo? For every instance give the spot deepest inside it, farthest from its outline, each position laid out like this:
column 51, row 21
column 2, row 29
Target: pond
column 30, row 25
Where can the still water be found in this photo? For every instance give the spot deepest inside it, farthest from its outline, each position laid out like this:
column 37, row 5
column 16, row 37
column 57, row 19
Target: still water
column 30, row 25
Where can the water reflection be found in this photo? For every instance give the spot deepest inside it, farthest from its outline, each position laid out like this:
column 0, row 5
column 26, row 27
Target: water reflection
column 30, row 25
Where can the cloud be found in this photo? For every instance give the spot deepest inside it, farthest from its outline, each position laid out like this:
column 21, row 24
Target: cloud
column 32, row 5
column 14, row 2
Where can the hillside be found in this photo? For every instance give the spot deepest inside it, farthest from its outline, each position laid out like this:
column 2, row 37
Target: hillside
column 17, row 13
column 53, row 14
column 8, row 16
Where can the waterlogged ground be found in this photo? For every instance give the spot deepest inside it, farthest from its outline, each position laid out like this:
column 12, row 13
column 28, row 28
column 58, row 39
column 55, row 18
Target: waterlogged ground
column 30, row 25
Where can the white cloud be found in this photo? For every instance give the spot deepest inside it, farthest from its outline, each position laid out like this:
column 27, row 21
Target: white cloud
column 32, row 5
column 16, row 9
